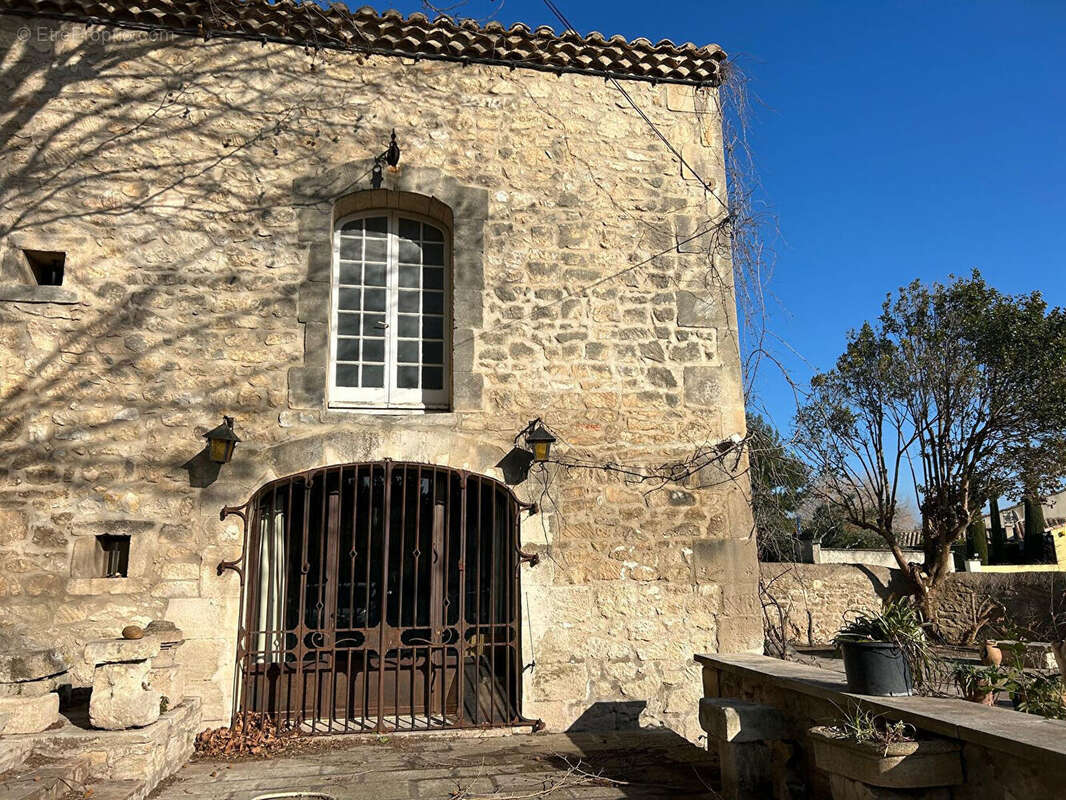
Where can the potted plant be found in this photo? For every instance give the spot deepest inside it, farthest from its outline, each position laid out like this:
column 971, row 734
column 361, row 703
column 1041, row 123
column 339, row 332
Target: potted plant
column 871, row 750
column 980, row 684
column 1043, row 695
column 884, row 652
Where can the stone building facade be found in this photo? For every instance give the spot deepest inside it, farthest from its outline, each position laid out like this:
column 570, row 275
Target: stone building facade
column 188, row 172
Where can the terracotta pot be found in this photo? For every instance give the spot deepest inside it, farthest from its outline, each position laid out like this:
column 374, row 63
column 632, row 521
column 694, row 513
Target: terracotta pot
column 983, row 697
column 991, row 655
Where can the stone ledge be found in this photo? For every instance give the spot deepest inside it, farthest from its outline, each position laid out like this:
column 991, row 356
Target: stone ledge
column 118, row 651
column 1023, row 735
column 81, row 586
column 25, row 293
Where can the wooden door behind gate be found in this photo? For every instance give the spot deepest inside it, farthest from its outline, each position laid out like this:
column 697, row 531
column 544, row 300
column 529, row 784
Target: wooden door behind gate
column 381, row 596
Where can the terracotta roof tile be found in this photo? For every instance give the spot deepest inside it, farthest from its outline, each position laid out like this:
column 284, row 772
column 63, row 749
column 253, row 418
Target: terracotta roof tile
column 390, row 33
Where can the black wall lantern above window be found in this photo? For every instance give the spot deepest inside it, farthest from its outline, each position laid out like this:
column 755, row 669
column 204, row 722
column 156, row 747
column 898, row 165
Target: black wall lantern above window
column 539, row 440
column 221, row 442
column 391, row 156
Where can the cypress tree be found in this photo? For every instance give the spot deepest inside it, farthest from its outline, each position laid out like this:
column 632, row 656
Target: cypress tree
column 1034, row 530
column 999, row 536
column 978, row 537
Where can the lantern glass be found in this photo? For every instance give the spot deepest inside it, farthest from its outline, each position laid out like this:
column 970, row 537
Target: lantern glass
column 541, row 450
column 221, row 450
column 539, row 440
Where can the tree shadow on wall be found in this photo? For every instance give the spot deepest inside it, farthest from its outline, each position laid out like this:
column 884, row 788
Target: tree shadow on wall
column 645, row 762
column 898, row 584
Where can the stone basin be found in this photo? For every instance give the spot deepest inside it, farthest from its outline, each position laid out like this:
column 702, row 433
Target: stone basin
column 921, row 764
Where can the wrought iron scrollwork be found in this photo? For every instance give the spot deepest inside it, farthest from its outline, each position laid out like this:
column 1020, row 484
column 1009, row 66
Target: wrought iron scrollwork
column 237, row 564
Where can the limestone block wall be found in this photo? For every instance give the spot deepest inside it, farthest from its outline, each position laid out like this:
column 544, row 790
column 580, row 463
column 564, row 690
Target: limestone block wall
column 192, row 186
column 812, row 600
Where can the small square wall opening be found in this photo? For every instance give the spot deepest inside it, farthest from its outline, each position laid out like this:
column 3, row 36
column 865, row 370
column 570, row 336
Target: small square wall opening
column 47, row 266
column 116, row 555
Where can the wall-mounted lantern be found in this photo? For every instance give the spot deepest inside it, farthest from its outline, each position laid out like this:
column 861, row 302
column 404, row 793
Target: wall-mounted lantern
column 221, row 442
column 391, row 156
column 539, row 440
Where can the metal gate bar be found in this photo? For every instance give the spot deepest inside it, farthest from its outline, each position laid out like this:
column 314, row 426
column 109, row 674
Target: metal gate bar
column 362, row 609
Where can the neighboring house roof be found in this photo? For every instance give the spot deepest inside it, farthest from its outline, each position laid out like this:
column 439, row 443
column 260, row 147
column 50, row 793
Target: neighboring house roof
column 391, row 34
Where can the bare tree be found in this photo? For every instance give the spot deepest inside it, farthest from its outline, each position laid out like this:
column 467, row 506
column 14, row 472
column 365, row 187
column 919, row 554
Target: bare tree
column 957, row 387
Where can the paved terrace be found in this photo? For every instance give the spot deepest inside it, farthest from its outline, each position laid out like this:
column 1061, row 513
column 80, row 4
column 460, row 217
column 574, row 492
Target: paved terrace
column 626, row 764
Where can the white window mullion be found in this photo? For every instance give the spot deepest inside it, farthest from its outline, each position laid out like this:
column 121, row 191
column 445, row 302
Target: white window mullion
column 334, row 314
column 392, row 282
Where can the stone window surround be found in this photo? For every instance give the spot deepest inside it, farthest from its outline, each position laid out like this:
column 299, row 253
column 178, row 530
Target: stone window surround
column 324, row 199
column 17, row 283
column 411, row 206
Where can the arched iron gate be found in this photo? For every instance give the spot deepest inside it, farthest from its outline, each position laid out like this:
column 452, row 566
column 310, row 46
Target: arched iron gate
column 380, row 596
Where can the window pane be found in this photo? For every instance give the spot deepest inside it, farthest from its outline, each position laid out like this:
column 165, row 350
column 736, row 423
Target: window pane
column 374, row 350
column 373, row 377
column 349, row 299
column 433, row 278
column 347, row 349
column 374, row 300
column 375, row 250
column 376, row 226
column 374, row 274
column 347, row 375
column 433, row 254
column 433, row 327
column 348, row 324
column 363, row 341
column 407, row 326
column 373, row 324
column 351, row 248
column 432, row 378
column 433, row 352
column 407, row 352
column 350, row 273
column 433, row 302
column 410, row 252
column 410, row 228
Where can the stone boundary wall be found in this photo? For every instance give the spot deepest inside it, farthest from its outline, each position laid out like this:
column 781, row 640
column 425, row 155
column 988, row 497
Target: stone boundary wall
column 811, row 600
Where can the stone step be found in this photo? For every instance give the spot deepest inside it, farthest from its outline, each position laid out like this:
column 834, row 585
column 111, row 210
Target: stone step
column 13, row 753
column 117, row 790
column 49, row 781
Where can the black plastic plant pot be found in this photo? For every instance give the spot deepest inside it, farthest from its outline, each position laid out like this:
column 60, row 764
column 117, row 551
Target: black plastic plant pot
column 876, row 668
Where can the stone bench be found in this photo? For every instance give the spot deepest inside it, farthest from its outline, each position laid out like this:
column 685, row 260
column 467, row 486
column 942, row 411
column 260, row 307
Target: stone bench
column 752, row 743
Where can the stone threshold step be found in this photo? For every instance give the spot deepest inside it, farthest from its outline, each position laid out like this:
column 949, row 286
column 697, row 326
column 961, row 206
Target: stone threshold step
column 117, row 790
column 51, row 781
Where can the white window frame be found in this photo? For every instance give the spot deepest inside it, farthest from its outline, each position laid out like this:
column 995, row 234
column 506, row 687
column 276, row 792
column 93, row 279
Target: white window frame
column 391, row 396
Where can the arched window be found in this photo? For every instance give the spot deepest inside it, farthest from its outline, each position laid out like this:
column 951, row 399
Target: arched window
column 390, row 342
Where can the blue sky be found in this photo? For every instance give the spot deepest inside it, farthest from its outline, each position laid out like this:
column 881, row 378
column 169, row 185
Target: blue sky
column 894, row 141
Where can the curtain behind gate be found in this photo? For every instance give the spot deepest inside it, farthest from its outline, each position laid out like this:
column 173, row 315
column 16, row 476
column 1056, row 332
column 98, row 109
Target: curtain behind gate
column 269, row 624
